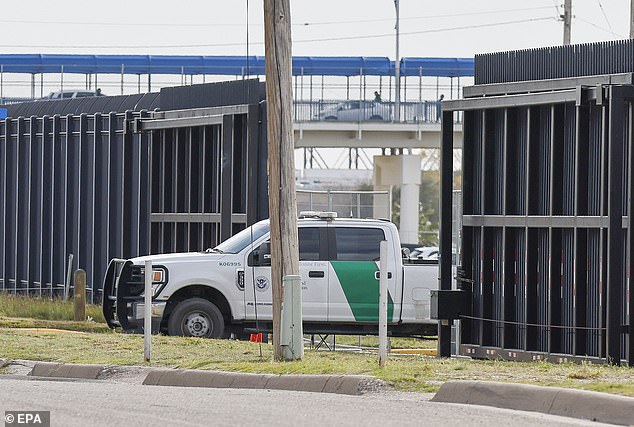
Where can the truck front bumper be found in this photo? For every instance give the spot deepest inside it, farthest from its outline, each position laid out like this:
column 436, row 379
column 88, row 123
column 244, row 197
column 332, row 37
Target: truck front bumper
column 136, row 313
column 121, row 309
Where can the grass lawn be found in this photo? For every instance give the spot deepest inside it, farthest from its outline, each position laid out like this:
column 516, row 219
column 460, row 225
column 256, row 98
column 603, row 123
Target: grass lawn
column 408, row 373
column 98, row 344
column 43, row 309
column 18, row 322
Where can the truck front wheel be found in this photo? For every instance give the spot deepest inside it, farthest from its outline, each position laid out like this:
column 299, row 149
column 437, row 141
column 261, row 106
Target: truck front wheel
column 196, row 317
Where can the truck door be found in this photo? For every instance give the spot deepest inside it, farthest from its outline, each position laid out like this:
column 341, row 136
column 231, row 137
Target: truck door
column 257, row 284
column 314, row 273
column 354, row 285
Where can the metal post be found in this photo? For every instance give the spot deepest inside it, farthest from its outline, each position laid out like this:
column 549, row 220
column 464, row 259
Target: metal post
column 32, row 85
column 68, row 271
column 397, row 67
column 147, row 312
column 382, row 303
column 446, row 218
column 122, row 71
column 291, row 334
column 322, row 88
column 420, row 94
column 615, row 231
column 360, row 94
column 1, row 84
column 149, row 82
column 61, row 83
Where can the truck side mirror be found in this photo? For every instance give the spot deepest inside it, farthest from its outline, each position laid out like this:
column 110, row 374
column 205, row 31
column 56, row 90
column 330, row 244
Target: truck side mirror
column 264, row 254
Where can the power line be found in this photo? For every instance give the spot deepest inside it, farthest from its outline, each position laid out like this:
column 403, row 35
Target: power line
column 305, row 24
column 410, row 18
column 326, row 39
column 592, row 24
column 122, row 24
column 604, row 15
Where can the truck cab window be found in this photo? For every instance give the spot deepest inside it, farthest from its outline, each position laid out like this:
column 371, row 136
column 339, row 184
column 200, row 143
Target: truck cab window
column 358, row 244
column 309, row 244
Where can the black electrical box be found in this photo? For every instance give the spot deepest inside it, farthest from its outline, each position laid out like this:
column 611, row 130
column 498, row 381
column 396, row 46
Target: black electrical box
column 449, row 304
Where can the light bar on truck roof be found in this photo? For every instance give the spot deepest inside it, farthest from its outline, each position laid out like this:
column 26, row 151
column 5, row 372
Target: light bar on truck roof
column 317, row 214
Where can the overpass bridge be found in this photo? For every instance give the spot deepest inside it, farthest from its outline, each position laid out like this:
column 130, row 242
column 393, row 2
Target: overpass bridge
column 339, row 102
column 399, row 163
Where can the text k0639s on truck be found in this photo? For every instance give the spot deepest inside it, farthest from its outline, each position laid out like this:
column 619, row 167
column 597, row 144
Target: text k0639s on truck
column 227, row 289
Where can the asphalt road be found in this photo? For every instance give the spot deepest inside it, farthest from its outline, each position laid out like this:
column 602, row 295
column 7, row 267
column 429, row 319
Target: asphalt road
column 75, row 403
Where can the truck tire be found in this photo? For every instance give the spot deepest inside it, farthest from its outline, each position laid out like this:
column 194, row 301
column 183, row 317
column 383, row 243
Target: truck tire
column 196, row 317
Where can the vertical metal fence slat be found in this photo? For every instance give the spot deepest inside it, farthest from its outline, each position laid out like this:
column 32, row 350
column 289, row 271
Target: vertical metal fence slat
column 4, row 140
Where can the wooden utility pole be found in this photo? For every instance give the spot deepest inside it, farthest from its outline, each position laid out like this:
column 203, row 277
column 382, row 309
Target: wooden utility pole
column 281, row 151
column 632, row 19
column 567, row 17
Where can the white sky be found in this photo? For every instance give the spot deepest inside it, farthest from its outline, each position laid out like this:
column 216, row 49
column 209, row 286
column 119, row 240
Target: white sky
column 439, row 28
column 213, row 27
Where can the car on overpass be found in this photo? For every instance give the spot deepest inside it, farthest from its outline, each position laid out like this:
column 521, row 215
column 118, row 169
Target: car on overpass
column 354, row 111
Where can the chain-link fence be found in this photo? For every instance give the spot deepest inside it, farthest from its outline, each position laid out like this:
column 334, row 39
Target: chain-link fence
column 347, row 204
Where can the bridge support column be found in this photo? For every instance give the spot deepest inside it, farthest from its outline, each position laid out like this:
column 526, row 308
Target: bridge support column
column 404, row 171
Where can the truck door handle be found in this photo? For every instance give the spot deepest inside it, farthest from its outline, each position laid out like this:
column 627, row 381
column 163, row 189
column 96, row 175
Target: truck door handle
column 316, row 274
column 377, row 275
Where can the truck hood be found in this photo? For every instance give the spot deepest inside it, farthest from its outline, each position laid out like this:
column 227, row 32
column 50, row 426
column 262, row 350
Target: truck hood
column 180, row 257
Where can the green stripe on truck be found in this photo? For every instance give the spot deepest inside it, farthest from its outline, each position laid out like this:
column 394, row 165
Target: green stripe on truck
column 362, row 289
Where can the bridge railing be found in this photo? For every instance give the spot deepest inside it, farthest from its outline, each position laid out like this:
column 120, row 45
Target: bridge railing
column 13, row 100
column 361, row 111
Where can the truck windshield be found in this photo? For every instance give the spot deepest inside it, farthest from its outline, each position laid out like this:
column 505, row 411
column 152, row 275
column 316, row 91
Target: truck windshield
column 237, row 243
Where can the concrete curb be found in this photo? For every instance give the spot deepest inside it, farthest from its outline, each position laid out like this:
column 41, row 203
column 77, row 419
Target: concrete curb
column 341, row 384
column 66, row 370
column 589, row 405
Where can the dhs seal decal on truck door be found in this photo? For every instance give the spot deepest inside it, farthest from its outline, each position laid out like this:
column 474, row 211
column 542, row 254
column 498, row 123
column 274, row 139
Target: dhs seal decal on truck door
column 261, row 283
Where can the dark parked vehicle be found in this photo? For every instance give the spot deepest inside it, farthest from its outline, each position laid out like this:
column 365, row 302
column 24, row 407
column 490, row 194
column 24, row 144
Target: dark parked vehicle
column 73, row 93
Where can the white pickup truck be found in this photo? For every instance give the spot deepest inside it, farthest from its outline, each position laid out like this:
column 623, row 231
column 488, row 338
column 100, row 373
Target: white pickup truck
column 227, row 289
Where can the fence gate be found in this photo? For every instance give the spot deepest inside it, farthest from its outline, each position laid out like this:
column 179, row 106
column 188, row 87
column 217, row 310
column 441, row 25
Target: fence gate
column 120, row 185
column 547, row 244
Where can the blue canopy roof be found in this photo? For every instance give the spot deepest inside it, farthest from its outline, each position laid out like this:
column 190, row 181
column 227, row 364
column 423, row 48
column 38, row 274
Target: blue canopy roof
column 443, row 67
column 230, row 65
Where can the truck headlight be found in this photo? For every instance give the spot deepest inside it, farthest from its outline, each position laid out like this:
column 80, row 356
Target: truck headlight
column 159, row 279
column 158, row 276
